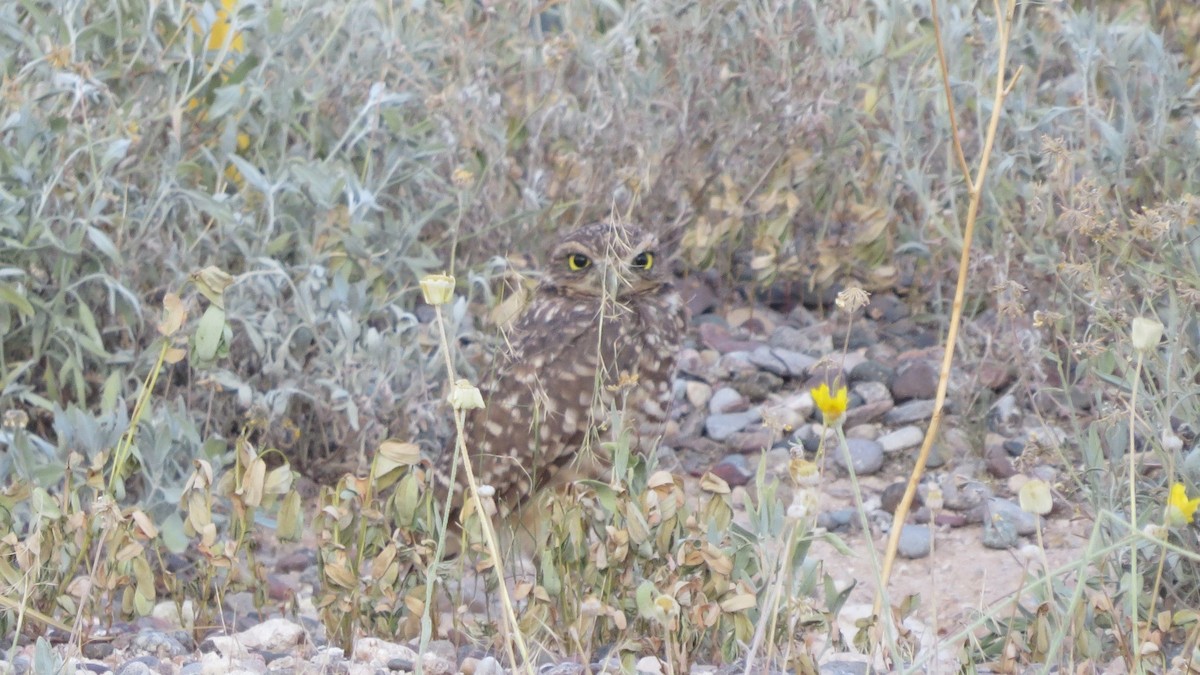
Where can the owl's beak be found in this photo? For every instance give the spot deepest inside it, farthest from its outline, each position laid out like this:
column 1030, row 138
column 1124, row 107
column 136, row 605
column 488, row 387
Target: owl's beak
column 612, row 281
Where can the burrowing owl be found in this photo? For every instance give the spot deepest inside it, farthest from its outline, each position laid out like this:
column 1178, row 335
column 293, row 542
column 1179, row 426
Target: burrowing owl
column 601, row 334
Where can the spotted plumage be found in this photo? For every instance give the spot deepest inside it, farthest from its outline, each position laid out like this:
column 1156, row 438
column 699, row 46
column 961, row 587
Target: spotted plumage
column 601, row 333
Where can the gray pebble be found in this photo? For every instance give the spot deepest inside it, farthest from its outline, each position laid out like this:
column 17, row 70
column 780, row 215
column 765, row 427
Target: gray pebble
column 400, row 663
column 721, row 427
column 756, row 385
column 1005, row 416
column 788, row 337
column 901, row 439
column 489, row 666
column 999, row 533
column 908, row 413
column 158, row 643
column 866, row 454
column 914, row 379
column 783, row 362
column 1024, row 522
column 914, row 541
column 99, row 649
column 845, row 667
column 837, row 520
column 726, row 400
column 807, row 437
column 963, row 497
column 135, row 667
column 867, row 412
column 872, row 392
column 734, row 470
column 871, row 371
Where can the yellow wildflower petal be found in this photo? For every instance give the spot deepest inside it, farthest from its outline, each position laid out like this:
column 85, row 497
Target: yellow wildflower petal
column 832, row 405
column 1180, row 509
column 219, row 30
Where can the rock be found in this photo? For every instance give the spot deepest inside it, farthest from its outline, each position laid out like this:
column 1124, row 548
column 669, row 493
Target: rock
column 745, row 442
column 136, row 667
column 867, row 455
column 734, row 470
column 649, row 665
column 381, row 652
column 808, row 437
column 1024, row 523
column 871, row 371
column 756, row 385
column 698, row 393
column 890, row 498
column 846, row 664
column 225, row 646
column 862, row 335
column 868, row 431
column 276, row 635
column 698, row 294
column 914, row 541
column 999, row 533
column 783, row 362
column 908, row 413
column 868, row 412
column 901, row 439
column 995, row 375
column 837, row 520
column 996, row 457
column 726, row 400
column 800, row 402
column 721, row 427
column 872, row 392
column 717, row 336
column 734, row 362
column 914, row 379
column 96, row 649
column 489, row 666
column 790, row 338
column 1005, row 416
column 936, row 458
column 782, row 418
column 280, row 588
column 952, row 442
column 297, row 561
column 691, row 363
column 964, row 496
column 160, row 644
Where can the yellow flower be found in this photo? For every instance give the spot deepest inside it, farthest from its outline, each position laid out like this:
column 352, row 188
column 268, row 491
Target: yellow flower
column 832, row 405
column 1180, row 509
column 219, row 29
column 438, row 289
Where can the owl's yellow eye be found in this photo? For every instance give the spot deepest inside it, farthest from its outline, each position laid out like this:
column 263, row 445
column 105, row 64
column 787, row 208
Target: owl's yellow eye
column 578, row 261
column 644, row 260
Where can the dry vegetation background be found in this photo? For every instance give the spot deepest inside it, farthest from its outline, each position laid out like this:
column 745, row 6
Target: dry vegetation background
column 329, row 154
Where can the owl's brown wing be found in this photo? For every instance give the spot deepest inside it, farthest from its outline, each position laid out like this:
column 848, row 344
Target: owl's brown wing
column 536, row 406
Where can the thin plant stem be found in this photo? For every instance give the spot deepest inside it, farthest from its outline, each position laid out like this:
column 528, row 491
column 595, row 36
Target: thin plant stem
column 1002, row 87
column 1135, row 581
column 512, row 628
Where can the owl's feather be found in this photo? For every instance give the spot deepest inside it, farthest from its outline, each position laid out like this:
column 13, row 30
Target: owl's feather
column 579, row 348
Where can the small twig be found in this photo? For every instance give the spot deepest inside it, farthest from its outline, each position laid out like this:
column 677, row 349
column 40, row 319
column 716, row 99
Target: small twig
column 976, row 196
column 513, row 629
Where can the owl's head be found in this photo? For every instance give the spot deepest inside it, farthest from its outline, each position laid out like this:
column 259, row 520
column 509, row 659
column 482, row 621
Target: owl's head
column 606, row 260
